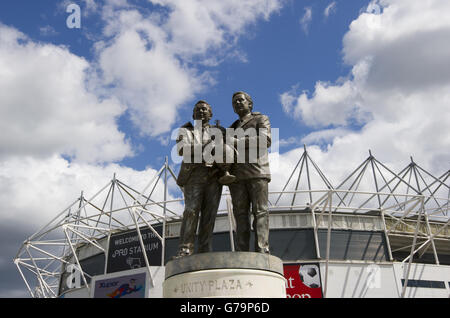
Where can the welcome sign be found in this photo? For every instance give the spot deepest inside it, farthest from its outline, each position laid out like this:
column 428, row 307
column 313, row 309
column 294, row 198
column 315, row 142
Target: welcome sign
column 125, row 250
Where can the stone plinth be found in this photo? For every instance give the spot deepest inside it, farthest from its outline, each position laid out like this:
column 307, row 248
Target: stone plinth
column 225, row 275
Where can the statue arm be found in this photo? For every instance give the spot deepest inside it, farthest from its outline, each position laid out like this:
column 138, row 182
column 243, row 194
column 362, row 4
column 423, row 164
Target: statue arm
column 264, row 130
column 185, row 139
column 187, row 142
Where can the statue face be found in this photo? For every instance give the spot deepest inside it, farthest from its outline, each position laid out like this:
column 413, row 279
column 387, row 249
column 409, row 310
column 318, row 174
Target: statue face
column 202, row 112
column 241, row 105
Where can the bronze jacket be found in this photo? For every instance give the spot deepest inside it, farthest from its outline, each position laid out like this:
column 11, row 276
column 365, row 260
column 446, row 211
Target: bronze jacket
column 192, row 172
column 257, row 134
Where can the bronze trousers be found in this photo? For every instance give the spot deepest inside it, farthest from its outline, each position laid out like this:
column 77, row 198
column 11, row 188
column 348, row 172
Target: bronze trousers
column 251, row 197
column 201, row 201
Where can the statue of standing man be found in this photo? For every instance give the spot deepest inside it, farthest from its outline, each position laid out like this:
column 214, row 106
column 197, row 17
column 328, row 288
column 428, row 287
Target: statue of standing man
column 249, row 193
column 199, row 181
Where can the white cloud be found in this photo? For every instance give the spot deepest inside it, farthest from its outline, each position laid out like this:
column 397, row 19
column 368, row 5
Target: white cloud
column 407, row 42
column 151, row 81
column 48, row 30
column 152, row 60
column 289, row 142
column 47, row 107
column 197, row 26
column 87, row 7
column 330, row 9
column 325, row 136
column 399, row 89
column 90, row 6
column 53, row 103
column 306, row 19
column 34, row 191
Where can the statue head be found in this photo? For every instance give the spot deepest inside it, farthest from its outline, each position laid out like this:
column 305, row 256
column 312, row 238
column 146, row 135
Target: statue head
column 242, row 103
column 202, row 111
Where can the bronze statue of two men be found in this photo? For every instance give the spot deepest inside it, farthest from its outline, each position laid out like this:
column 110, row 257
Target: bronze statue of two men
column 214, row 156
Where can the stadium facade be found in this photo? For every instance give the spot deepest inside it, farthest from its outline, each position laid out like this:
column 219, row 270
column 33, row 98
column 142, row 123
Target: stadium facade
column 378, row 233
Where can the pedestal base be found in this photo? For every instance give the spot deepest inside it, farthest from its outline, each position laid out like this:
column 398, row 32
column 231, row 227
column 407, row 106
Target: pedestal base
column 225, row 275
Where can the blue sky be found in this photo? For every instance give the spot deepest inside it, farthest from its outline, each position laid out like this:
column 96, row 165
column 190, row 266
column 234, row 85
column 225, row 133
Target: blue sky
column 81, row 104
column 277, row 55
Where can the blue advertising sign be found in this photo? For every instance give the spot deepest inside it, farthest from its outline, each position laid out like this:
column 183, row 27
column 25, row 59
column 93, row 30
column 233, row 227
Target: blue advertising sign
column 129, row 286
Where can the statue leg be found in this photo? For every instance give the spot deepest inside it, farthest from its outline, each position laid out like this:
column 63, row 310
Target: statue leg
column 210, row 205
column 192, row 204
column 259, row 193
column 241, row 211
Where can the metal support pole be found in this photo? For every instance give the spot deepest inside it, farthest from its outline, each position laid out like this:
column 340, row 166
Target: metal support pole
column 289, row 179
column 308, row 178
column 391, row 258
column 358, row 177
column 375, row 179
column 429, row 239
column 315, row 229
column 298, row 181
column 405, row 214
column 76, row 259
column 230, row 220
column 411, row 256
column 41, row 280
column 141, row 242
column 23, row 277
column 163, row 253
column 436, row 258
column 327, row 260
column 108, row 240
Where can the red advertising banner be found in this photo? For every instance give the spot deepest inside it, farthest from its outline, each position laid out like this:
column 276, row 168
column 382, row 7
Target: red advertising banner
column 303, row 281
